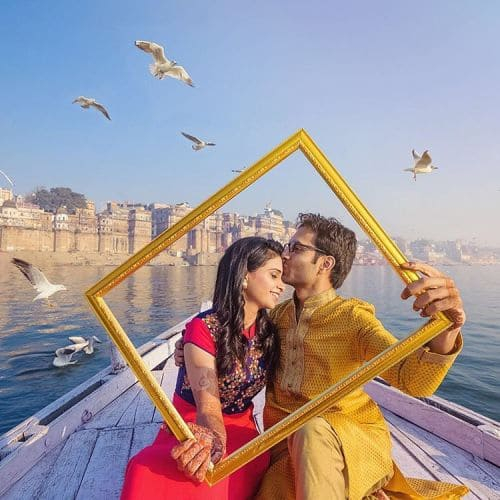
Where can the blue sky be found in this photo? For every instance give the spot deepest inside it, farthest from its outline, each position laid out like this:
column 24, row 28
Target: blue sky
column 368, row 80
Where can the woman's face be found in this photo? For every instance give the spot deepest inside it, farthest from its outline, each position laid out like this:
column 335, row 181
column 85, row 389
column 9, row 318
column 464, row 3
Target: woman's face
column 264, row 285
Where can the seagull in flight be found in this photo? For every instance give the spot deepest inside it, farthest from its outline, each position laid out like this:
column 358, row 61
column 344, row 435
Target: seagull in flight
column 86, row 344
column 198, row 143
column 236, row 171
column 40, row 283
column 422, row 164
column 163, row 67
column 86, row 102
column 64, row 355
column 9, row 180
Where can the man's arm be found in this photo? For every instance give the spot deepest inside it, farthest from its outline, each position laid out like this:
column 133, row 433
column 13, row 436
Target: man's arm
column 421, row 373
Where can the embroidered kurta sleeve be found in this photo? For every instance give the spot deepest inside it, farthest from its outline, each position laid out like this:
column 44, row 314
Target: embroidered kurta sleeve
column 419, row 374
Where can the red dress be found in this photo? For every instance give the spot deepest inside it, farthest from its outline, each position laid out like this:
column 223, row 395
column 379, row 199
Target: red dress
column 153, row 474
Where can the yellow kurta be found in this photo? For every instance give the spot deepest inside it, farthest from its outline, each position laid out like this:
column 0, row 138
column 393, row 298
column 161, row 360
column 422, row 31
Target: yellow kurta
column 332, row 338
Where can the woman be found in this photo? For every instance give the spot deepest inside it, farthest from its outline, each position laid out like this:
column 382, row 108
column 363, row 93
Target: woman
column 230, row 352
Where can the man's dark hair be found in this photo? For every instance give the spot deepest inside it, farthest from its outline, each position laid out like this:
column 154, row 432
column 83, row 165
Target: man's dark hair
column 335, row 240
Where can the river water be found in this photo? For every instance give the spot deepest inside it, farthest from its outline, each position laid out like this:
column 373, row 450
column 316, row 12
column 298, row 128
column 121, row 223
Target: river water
column 157, row 297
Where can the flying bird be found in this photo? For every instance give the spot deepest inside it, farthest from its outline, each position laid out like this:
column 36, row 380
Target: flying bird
column 86, row 344
column 86, row 102
column 40, row 283
column 236, row 171
column 422, row 164
column 198, row 143
column 163, row 67
column 64, row 355
column 9, row 180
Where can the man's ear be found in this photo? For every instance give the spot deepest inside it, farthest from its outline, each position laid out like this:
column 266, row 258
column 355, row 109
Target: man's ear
column 328, row 263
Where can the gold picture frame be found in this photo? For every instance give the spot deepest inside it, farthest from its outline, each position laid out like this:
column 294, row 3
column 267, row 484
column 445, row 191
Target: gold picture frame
column 298, row 141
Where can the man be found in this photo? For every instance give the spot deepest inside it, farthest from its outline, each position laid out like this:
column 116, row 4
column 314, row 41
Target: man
column 346, row 452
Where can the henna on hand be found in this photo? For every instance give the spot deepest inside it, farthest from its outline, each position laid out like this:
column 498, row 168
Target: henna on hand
column 210, row 436
column 218, row 448
column 193, row 456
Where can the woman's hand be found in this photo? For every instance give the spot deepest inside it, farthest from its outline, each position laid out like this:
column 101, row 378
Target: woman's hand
column 193, row 456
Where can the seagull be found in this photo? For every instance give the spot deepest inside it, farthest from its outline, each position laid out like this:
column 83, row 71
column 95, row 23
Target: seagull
column 238, row 171
column 8, row 178
column 86, row 344
column 86, row 102
column 198, row 143
column 422, row 164
column 64, row 355
column 162, row 66
column 40, row 283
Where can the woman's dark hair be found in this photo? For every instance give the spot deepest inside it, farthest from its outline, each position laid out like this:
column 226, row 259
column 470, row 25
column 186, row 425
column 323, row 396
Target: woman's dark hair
column 243, row 256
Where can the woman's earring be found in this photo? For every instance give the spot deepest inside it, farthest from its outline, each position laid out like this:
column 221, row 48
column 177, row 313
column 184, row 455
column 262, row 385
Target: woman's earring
column 245, row 284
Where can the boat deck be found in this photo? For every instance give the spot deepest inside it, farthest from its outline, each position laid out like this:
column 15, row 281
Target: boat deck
column 82, row 453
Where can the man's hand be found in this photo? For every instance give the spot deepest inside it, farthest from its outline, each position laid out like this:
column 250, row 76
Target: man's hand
column 436, row 292
column 179, row 353
column 193, row 456
column 380, row 495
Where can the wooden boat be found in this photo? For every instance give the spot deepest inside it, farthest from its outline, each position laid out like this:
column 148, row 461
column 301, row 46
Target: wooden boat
column 78, row 446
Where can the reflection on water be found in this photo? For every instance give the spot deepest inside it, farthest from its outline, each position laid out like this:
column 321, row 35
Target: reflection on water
column 157, row 297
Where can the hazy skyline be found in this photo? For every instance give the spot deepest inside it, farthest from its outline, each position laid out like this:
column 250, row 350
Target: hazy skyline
column 368, row 81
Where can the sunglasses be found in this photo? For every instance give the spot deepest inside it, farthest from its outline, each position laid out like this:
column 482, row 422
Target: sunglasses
column 297, row 247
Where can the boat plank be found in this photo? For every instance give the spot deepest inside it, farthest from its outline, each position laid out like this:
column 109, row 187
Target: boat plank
column 145, row 407
column 168, row 383
column 465, row 432
column 30, row 484
column 144, row 435
column 128, row 417
column 457, row 462
column 104, row 474
column 488, row 468
column 427, row 461
column 406, row 460
column 111, row 414
column 17, row 463
column 491, row 445
column 462, row 410
column 66, row 474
